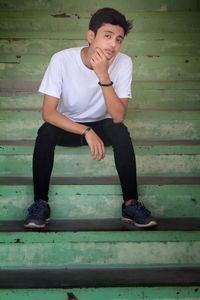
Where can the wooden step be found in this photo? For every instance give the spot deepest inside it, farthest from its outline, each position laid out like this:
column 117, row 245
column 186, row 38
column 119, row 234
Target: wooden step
column 174, row 44
column 146, row 125
column 32, row 85
column 87, row 6
column 70, row 201
column 77, row 248
column 151, row 99
column 73, row 26
column 110, row 277
column 88, row 229
column 116, row 293
column 160, row 68
column 151, row 161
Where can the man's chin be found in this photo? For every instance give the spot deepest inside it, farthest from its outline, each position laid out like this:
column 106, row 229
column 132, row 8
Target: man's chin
column 110, row 56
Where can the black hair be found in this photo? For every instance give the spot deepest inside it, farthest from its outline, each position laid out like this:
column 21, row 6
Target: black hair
column 109, row 16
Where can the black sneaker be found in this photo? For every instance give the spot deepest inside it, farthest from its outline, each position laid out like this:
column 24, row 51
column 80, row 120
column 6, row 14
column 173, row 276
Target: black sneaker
column 138, row 215
column 38, row 215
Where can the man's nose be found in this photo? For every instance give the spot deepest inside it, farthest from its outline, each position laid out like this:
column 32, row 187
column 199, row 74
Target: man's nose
column 113, row 43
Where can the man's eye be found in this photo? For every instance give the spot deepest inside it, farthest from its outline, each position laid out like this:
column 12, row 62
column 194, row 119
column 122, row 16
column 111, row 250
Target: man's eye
column 108, row 36
column 119, row 41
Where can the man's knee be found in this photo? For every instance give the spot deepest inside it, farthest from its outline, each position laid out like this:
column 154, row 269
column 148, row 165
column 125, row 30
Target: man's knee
column 119, row 133
column 47, row 132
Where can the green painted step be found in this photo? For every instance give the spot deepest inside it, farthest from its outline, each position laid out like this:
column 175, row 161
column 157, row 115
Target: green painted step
column 20, row 25
column 86, row 201
column 83, row 249
column 176, row 44
column 151, row 161
column 143, row 99
column 145, row 68
column 150, row 125
column 88, row 5
column 122, row 293
column 28, row 85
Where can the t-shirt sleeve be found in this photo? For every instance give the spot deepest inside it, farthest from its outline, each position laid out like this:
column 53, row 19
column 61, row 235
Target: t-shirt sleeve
column 52, row 81
column 124, row 81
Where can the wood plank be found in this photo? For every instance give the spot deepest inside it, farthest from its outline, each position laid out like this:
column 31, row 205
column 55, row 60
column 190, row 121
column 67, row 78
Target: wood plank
column 148, row 125
column 116, row 293
column 57, row 6
column 18, row 25
column 151, row 161
column 102, row 277
column 98, row 230
column 82, row 249
column 86, row 201
column 61, row 253
column 173, row 44
column 103, row 180
column 145, row 68
column 29, row 86
column 142, row 99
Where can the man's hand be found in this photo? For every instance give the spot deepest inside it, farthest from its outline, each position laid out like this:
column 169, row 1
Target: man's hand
column 100, row 64
column 96, row 145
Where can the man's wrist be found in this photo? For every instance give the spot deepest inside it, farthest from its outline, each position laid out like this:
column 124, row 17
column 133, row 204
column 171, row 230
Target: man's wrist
column 105, row 84
column 86, row 131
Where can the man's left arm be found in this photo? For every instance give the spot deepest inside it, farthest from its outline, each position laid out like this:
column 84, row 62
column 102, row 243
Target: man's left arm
column 117, row 107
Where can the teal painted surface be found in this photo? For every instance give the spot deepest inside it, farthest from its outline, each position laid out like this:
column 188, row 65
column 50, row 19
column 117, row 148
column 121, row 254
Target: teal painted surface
column 156, row 293
column 165, row 47
column 75, row 26
column 186, row 44
column 88, row 5
column 152, row 161
column 69, row 202
column 145, row 68
column 150, row 125
column 135, row 237
column 98, row 254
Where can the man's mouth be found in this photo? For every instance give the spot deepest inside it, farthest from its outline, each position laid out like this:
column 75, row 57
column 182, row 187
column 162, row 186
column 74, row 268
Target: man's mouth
column 109, row 52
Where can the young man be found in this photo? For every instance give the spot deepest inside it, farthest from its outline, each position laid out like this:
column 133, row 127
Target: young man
column 86, row 93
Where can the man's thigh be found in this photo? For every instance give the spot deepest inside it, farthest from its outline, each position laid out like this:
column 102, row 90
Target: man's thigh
column 57, row 136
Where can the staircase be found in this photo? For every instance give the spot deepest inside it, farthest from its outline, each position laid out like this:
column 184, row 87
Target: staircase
column 87, row 253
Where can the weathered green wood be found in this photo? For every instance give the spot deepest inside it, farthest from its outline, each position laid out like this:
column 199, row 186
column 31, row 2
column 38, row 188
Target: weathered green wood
column 16, row 25
column 140, row 150
column 58, row 6
column 32, row 238
column 142, row 125
column 142, row 44
column 174, row 44
column 86, row 202
column 28, row 85
column 167, row 85
column 66, row 249
column 120, row 293
column 145, row 68
column 151, row 161
column 143, row 99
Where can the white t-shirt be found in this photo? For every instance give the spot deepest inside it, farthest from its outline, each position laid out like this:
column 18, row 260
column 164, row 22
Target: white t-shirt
column 81, row 97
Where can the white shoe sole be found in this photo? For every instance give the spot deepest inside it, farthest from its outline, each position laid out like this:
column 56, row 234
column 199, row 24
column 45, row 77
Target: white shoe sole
column 130, row 221
column 33, row 225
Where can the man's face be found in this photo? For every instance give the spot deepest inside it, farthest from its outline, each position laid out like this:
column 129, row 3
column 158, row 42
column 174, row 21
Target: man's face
column 108, row 38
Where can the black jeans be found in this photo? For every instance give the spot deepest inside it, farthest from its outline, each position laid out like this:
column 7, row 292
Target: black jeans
column 113, row 134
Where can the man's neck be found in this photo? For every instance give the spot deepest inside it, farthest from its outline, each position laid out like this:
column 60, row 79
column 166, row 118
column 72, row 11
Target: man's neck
column 85, row 56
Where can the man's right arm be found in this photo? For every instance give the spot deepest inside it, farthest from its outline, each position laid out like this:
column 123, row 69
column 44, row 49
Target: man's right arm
column 52, row 116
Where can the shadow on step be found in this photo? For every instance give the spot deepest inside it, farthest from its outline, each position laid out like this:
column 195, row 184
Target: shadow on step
column 99, row 277
column 73, row 225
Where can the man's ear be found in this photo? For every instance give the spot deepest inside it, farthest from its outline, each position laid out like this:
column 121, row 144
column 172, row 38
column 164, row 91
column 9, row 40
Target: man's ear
column 90, row 36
